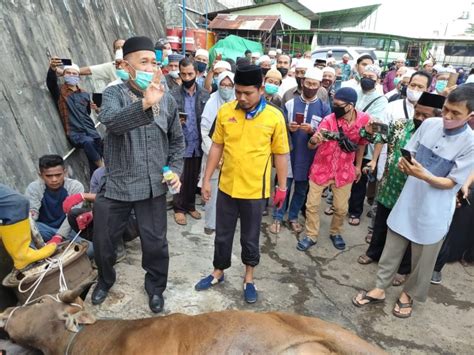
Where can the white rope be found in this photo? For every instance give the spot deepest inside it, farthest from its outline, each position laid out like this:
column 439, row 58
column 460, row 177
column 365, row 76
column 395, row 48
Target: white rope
column 51, row 263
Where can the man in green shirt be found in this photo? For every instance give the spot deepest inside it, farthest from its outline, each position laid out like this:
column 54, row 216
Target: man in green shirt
column 393, row 180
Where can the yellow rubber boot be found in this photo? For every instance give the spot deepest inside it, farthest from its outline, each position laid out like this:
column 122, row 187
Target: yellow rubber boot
column 17, row 238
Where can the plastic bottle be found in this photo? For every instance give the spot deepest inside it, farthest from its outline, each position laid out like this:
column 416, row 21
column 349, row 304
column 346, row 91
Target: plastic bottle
column 168, row 175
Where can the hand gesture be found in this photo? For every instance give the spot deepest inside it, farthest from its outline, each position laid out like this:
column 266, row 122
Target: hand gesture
column 55, row 64
column 155, row 91
column 414, row 169
column 293, row 126
column 306, row 127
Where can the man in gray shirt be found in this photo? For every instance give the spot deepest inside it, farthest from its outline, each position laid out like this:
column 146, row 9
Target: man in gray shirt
column 143, row 136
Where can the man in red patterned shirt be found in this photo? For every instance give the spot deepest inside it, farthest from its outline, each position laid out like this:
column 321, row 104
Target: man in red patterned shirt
column 338, row 141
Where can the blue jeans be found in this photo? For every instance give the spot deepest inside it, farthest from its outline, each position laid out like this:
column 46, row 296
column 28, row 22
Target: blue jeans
column 48, row 232
column 297, row 200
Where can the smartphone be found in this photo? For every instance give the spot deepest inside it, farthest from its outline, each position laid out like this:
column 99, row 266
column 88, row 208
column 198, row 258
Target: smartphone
column 299, row 117
column 463, row 201
column 183, row 117
column 97, row 98
column 66, row 61
column 380, row 127
column 453, row 79
column 406, row 154
column 329, row 135
column 159, row 55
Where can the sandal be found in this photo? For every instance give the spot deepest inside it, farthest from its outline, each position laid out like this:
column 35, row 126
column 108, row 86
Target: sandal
column 195, row 214
column 354, row 221
column 399, row 280
column 338, row 242
column 402, row 305
column 305, row 243
column 180, row 218
column 275, row 227
column 295, row 226
column 329, row 211
column 365, row 260
column 368, row 237
column 365, row 297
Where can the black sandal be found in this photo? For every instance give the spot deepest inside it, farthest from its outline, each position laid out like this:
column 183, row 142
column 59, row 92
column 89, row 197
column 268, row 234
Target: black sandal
column 401, row 305
column 367, row 298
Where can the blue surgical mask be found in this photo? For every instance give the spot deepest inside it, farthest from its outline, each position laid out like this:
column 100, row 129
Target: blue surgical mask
column 226, row 93
column 441, row 85
column 201, row 66
column 271, row 89
column 122, row 74
column 71, row 80
column 214, row 81
column 165, row 62
column 143, row 79
column 396, row 80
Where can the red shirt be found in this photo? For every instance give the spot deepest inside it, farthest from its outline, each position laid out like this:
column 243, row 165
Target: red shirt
column 330, row 161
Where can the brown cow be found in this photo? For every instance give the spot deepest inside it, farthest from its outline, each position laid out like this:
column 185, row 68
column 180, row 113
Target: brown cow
column 55, row 327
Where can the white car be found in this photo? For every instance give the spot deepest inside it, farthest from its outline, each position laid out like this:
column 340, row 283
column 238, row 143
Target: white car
column 338, row 51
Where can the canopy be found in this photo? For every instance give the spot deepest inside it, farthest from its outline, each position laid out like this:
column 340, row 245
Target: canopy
column 233, row 47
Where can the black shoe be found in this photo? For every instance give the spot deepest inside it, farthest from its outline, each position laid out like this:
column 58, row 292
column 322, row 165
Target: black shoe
column 99, row 295
column 156, row 303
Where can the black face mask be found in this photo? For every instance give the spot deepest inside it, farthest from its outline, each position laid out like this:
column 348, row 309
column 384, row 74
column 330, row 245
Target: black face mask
column 201, row 66
column 403, row 91
column 339, row 111
column 265, row 71
column 367, row 84
column 417, row 123
column 188, row 83
column 283, row 71
column 309, row 93
column 299, row 82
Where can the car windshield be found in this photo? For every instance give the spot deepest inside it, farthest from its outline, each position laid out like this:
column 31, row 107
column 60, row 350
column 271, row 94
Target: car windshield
column 367, row 51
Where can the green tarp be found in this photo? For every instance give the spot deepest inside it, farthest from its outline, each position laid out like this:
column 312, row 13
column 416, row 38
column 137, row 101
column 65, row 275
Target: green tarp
column 233, row 47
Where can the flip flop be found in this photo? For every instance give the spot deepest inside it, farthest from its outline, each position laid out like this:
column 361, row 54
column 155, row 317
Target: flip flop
column 352, row 220
column 399, row 280
column 366, row 297
column 368, row 237
column 403, row 305
column 180, row 218
column 195, row 214
column 338, row 242
column 275, row 227
column 364, row 260
column 329, row 211
column 295, row 226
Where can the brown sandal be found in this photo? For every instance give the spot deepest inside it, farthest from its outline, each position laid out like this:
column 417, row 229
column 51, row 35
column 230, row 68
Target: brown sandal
column 329, row 211
column 180, row 218
column 195, row 214
column 399, row 280
column 368, row 237
column 275, row 227
column 402, row 305
column 364, row 260
column 295, row 226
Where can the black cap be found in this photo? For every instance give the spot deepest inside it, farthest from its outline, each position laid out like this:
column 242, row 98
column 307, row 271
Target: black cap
column 135, row 44
column 248, row 75
column 431, row 100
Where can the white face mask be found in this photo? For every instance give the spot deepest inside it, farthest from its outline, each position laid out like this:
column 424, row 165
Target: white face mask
column 413, row 95
column 174, row 74
column 169, row 51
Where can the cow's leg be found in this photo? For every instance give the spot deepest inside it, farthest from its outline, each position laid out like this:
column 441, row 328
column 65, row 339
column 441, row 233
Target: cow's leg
column 151, row 218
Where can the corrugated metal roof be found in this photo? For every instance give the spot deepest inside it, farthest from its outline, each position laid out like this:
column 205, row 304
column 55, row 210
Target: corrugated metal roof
column 244, row 22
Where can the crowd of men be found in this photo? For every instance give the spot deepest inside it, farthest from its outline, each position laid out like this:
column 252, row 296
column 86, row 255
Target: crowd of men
column 264, row 126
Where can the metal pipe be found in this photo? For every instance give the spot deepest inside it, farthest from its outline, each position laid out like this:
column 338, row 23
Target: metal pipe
column 183, row 34
column 206, row 21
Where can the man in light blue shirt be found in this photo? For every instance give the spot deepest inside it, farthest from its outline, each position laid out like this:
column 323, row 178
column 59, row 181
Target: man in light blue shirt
column 444, row 151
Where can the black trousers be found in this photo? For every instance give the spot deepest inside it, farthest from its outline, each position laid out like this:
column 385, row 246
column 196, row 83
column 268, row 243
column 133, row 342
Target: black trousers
column 185, row 201
column 228, row 211
column 358, row 191
column 151, row 218
column 379, row 237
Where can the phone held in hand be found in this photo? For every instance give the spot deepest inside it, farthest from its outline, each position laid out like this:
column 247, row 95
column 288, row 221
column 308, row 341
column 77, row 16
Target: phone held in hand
column 406, row 154
column 97, row 99
column 66, row 61
column 379, row 127
column 183, row 116
column 299, row 117
column 329, row 135
column 463, row 201
column 452, row 80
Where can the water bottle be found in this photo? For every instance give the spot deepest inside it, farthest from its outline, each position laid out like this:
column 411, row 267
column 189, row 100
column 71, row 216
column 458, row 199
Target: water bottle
column 168, row 175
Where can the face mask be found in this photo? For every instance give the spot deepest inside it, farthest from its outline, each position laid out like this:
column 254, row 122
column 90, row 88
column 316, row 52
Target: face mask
column 339, row 111
column 187, row 84
column 396, row 80
column 298, row 82
column 214, row 81
column 71, row 80
column 174, row 74
column 326, row 83
column 225, row 93
column 403, row 91
column 309, row 93
column 283, row 71
column 169, row 51
column 367, row 84
column 165, row 62
column 441, row 85
column 122, row 74
column 452, row 124
column 417, row 123
column 271, row 89
column 201, row 67
column 413, row 95
column 265, row 71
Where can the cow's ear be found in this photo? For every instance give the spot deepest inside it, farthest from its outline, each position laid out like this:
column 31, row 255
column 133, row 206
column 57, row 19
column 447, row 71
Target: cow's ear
column 84, row 317
column 70, row 322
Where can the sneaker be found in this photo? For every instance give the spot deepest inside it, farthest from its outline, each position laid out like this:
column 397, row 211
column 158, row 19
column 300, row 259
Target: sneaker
column 207, row 282
column 436, row 278
column 209, row 231
column 250, row 293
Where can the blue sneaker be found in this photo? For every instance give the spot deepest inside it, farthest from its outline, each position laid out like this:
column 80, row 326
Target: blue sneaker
column 207, row 282
column 305, row 243
column 250, row 293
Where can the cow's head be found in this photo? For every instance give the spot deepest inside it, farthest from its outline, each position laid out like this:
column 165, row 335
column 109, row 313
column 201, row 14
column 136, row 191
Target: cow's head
column 46, row 320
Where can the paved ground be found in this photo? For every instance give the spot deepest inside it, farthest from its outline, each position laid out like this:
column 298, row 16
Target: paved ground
column 317, row 283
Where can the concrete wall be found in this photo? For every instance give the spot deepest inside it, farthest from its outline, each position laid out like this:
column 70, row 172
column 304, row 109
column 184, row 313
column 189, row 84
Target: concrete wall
column 79, row 29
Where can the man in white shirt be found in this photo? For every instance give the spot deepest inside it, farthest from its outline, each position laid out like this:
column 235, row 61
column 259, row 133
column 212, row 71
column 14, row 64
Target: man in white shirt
column 283, row 66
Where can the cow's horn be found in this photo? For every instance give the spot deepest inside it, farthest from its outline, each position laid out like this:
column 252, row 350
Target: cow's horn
column 69, row 296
